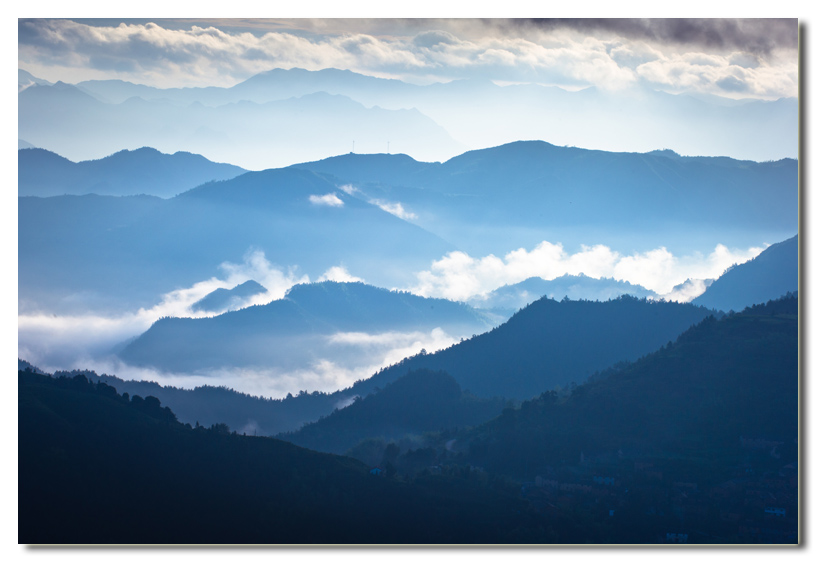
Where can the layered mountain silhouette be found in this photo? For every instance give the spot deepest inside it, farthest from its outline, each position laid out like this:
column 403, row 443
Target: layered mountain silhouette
column 719, row 381
column 66, row 120
column 550, row 343
column 418, row 402
column 293, row 332
column 129, row 172
column 510, row 298
column 710, row 125
column 112, row 253
column 98, row 467
column 486, row 201
column 222, row 299
column 770, row 275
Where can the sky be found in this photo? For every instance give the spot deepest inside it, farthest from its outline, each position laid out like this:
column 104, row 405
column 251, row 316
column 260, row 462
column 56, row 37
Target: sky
column 734, row 58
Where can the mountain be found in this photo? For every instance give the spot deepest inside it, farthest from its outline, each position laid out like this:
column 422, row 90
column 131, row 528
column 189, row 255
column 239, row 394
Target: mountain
column 637, row 119
column 222, row 299
column 575, row 287
column 21, row 144
column 26, row 79
column 518, row 194
column 91, row 252
column 97, row 467
column 418, row 402
column 699, row 437
column 550, row 343
column 128, row 172
column 292, row 333
column 721, row 379
column 770, row 275
column 65, row 119
column 209, row 405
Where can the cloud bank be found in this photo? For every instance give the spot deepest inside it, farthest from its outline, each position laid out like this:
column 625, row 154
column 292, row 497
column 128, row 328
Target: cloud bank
column 51, row 341
column 374, row 351
column 740, row 58
column 458, row 276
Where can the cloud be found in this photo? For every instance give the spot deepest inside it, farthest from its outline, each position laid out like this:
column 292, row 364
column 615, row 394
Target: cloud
column 458, row 276
column 371, row 352
column 608, row 54
column 59, row 341
column 340, row 274
column 330, row 200
column 688, row 290
column 395, row 209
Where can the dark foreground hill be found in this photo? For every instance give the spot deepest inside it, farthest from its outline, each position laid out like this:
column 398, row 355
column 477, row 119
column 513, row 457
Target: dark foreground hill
column 770, row 275
column 100, row 468
column 699, row 438
column 721, row 379
column 551, row 343
column 420, row 401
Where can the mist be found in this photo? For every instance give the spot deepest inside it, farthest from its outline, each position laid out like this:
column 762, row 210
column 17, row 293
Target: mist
column 459, row 276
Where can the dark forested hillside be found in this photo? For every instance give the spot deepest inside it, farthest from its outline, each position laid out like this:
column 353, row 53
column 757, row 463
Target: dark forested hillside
column 695, row 443
column 207, row 405
column 551, row 343
column 413, row 404
column 770, row 275
column 720, row 380
column 97, row 467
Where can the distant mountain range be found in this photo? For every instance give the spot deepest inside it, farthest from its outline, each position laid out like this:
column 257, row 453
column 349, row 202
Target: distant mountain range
column 66, row 120
column 637, row 119
column 115, row 253
column 293, row 332
column 143, row 171
column 518, row 194
column 510, row 298
column 770, row 275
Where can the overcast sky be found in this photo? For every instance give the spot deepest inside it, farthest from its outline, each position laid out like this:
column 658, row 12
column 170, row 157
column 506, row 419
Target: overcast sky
column 735, row 58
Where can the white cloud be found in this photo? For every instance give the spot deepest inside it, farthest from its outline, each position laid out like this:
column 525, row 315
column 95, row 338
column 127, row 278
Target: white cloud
column 330, row 200
column 325, row 374
column 52, row 341
column 688, row 290
column 206, row 55
column 395, row 209
column 458, row 276
column 340, row 274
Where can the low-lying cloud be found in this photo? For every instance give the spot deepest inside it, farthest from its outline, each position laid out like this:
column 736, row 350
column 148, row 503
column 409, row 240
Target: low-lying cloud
column 394, row 208
column 329, row 200
column 326, row 374
column 458, row 276
column 54, row 342
column 339, row 274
